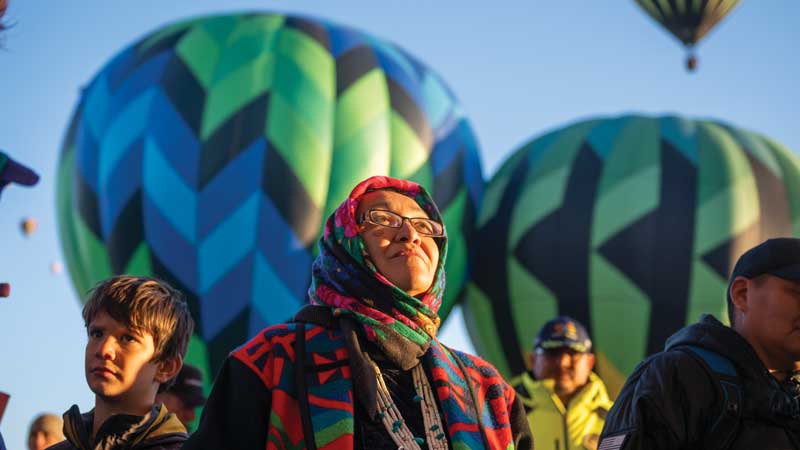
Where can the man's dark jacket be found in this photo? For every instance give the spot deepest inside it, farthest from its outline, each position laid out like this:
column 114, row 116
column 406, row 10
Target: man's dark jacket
column 157, row 430
column 671, row 400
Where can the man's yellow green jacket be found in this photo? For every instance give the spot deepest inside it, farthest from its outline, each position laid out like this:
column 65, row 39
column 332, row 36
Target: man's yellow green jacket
column 575, row 426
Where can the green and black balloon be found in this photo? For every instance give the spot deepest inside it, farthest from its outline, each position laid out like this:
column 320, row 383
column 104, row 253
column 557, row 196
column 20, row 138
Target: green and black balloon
column 688, row 20
column 630, row 225
column 210, row 152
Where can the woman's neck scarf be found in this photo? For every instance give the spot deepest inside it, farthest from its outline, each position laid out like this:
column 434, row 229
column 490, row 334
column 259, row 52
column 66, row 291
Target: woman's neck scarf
column 344, row 278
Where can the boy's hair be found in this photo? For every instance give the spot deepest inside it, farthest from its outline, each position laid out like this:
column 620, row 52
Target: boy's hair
column 147, row 305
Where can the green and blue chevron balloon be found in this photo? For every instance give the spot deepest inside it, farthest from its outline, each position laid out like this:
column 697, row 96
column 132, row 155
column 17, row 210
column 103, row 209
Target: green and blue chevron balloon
column 210, row 152
column 630, row 225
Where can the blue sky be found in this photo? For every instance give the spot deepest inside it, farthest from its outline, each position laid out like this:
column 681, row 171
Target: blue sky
column 519, row 68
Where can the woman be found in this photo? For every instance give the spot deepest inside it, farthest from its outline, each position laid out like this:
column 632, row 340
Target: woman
column 361, row 367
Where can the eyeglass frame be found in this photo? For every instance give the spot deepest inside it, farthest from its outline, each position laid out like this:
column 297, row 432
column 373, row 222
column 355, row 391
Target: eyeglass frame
column 365, row 217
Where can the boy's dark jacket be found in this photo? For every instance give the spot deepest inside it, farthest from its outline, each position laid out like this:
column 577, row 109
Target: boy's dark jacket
column 157, row 430
column 671, row 401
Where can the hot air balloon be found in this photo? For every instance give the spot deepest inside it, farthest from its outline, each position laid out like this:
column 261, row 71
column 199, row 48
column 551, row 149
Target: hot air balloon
column 28, row 226
column 688, row 20
column 210, row 152
column 56, row 267
column 630, row 225
column 14, row 172
column 5, row 289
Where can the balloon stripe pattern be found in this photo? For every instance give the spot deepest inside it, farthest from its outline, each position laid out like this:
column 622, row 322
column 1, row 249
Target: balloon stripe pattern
column 630, row 225
column 209, row 153
column 688, row 20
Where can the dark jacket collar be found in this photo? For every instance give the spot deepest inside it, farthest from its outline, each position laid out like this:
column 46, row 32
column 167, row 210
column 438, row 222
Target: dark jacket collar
column 765, row 396
column 713, row 335
column 158, row 427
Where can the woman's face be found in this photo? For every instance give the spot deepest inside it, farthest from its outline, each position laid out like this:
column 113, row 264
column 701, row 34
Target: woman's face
column 402, row 255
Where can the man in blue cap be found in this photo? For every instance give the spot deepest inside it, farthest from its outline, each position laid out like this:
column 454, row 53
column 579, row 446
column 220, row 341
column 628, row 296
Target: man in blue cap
column 566, row 403
column 720, row 387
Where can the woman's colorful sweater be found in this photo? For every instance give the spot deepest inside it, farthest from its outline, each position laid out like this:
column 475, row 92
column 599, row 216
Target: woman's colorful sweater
column 261, row 400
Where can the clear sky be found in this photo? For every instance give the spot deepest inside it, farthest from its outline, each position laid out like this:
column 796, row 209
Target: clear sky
column 518, row 67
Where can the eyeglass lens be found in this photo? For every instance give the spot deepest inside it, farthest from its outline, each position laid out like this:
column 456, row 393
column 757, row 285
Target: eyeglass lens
column 390, row 219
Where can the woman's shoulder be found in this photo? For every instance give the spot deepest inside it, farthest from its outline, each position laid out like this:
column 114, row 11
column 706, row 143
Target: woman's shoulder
column 279, row 340
column 474, row 363
column 285, row 333
column 269, row 335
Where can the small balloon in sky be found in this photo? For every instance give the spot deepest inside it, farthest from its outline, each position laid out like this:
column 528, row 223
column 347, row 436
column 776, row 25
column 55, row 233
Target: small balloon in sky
column 56, row 267
column 28, row 225
column 5, row 289
column 688, row 21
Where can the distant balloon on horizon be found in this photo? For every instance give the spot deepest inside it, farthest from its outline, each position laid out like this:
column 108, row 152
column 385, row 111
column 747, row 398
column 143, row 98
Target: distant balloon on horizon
column 28, row 225
column 56, row 267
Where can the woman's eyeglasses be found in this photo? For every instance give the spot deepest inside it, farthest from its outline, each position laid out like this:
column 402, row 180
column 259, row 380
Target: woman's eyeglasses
column 423, row 226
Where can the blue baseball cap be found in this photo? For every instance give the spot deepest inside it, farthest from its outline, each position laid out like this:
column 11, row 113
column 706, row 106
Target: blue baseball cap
column 562, row 332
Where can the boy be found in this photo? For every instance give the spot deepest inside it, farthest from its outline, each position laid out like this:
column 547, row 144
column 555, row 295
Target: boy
column 139, row 330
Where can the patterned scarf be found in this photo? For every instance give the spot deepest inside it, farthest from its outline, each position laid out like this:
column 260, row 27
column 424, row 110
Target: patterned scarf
column 344, row 278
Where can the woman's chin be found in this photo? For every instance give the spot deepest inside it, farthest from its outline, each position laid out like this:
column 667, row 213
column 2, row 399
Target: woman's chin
column 415, row 287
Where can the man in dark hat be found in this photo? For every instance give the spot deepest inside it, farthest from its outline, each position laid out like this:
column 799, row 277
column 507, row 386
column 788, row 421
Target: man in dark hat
column 719, row 387
column 566, row 403
column 186, row 395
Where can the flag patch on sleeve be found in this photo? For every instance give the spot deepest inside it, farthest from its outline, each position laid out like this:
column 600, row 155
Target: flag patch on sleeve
column 612, row 442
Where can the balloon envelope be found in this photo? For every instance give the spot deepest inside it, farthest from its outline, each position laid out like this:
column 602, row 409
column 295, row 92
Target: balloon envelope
column 630, row 225
column 210, row 152
column 28, row 226
column 688, row 20
column 56, row 268
column 14, row 172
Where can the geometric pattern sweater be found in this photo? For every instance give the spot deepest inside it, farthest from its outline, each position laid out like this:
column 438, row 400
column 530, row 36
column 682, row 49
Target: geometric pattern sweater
column 311, row 404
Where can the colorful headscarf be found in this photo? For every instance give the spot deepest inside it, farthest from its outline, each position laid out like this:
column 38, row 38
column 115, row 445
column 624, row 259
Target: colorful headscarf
column 344, row 278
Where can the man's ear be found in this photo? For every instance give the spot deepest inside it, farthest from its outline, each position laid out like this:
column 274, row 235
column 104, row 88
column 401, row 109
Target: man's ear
column 168, row 369
column 592, row 360
column 738, row 293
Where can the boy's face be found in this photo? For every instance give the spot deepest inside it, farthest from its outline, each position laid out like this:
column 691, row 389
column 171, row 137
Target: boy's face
column 119, row 363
